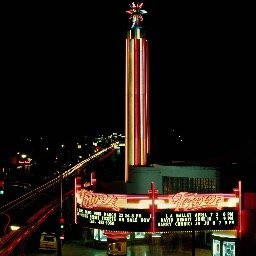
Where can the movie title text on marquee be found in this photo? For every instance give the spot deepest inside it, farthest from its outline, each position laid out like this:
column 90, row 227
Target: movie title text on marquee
column 129, row 220
column 138, row 220
column 208, row 220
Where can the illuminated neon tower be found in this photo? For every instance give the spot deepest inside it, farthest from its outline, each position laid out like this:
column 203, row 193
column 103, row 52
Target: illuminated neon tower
column 137, row 121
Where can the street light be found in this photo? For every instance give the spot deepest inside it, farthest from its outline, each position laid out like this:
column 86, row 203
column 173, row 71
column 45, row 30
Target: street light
column 62, row 228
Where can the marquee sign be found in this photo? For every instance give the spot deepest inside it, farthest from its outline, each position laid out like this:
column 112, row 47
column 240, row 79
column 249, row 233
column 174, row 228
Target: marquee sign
column 196, row 220
column 153, row 212
column 128, row 220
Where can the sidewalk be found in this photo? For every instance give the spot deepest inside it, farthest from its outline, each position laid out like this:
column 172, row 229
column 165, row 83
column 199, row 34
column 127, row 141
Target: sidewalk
column 78, row 249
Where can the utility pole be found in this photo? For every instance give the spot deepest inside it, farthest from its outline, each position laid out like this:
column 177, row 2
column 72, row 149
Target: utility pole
column 193, row 242
column 59, row 232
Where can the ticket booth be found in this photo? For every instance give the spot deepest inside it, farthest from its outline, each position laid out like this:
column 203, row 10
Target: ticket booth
column 225, row 243
column 116, row 243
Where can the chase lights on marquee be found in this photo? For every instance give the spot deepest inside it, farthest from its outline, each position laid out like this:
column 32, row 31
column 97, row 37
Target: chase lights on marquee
column 182, row 201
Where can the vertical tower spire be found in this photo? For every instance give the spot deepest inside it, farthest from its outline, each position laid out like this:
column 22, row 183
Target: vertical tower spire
column 137, row 125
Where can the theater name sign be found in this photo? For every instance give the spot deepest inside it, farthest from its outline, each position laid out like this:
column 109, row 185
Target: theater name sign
column 153, row 212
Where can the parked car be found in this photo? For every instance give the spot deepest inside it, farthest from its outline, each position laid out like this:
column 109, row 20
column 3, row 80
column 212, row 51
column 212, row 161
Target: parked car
column 48, row 242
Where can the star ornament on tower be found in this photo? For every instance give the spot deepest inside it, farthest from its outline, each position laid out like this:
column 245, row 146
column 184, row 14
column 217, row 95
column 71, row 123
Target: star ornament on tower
column 136, row 14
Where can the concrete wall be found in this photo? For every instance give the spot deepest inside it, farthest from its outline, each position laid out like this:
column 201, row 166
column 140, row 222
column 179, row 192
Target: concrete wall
column 140, row 178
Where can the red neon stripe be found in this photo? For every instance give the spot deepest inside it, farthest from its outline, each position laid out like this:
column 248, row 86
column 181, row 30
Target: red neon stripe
column 147, row 100
column 137, row 102
column 144, row 106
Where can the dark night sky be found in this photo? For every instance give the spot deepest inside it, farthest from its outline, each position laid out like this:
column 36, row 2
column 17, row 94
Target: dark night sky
column 64, row 69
